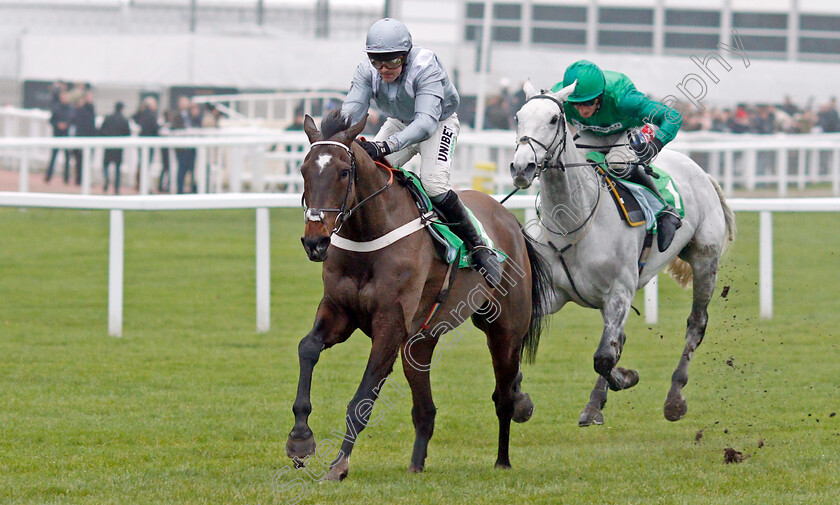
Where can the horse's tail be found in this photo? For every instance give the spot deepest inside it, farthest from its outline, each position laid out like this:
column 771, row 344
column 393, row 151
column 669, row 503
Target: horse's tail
column 541, row 293
column 728, row 215
column 680, row 270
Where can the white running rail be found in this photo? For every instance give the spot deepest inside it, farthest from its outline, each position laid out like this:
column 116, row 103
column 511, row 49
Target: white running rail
column 262, row 202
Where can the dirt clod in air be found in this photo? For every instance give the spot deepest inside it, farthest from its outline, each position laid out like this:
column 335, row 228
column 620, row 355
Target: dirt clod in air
column 698, row 437
column 731, row 362
column 730, row 455
column 760, row 443
column 725, row 292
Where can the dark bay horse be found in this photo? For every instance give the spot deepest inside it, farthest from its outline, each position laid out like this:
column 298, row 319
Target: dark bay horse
column 390, row 292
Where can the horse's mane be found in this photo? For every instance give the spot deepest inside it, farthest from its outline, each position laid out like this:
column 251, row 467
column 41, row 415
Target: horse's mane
column 334, row 122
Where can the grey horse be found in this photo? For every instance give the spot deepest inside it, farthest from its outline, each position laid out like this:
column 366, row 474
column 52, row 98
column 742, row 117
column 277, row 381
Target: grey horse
column 595, row 256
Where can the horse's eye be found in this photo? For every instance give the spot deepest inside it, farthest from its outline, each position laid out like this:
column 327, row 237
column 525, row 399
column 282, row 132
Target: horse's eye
column 344, row 173
column 555, row 119
column 516, row 118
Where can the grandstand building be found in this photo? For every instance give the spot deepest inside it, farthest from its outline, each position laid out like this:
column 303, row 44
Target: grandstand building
column 718, row 51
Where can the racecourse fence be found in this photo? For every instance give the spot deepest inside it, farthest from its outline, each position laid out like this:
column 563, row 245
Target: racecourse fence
column 259, row 158
column 261, row 203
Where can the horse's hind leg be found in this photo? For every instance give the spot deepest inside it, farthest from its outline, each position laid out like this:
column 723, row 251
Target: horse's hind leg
column 705, row 277
column 505, row 354
column 597, row 399
column 417, row 359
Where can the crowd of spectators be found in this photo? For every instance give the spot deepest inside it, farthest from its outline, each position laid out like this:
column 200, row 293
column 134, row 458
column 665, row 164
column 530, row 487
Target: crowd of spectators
column 786, row 117
column 73, row 115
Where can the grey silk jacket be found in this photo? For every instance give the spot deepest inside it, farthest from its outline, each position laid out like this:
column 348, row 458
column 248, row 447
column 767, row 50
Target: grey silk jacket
column 421, row 96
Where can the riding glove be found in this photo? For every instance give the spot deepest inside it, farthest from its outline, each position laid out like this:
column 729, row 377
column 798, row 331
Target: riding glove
column 376, row 150
column 646, row 151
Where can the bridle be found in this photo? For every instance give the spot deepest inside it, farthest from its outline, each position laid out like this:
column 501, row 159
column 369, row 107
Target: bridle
column 550, row 152
column 317, row 215
column 550, row 163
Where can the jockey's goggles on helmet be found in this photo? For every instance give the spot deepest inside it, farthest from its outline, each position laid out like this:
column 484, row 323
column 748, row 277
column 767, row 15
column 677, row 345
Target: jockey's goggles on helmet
column 390, row 64
column 588, row 102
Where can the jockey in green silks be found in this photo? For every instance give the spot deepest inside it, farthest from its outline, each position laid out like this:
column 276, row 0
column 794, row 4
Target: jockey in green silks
column 613, row 117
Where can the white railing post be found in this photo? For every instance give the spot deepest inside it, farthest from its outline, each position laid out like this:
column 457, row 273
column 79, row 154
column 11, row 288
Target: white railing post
column 200, row 171
column 782, row 156
column 835, row 172
column 115, row 274
column 263, row 267
column 652, row 300
column 765, row 253
column 145, row 175
column 86, row 168
column 23, row 183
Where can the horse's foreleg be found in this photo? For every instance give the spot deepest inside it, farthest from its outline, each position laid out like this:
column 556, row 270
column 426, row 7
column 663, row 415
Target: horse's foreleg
column 705, row 276
column 417, row 359
column 331, row 326
column 389, row 332
column 615, row 313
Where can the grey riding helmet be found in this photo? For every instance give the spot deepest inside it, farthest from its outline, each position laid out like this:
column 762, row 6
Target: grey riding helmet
column 388, row 37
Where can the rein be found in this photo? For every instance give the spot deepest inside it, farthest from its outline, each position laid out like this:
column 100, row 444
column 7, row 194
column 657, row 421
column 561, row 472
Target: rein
column 317, row 215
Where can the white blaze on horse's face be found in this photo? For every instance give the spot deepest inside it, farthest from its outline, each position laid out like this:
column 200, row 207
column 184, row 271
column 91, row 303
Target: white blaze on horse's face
column 322, row 161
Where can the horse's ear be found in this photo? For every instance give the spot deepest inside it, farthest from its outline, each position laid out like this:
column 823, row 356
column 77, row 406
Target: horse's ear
column 529, row 89
column 349, row 135
column 565, row 92
column 311, row 130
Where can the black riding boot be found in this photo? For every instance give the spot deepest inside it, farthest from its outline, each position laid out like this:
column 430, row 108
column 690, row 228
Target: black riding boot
column 456, row 215
column 669, row 220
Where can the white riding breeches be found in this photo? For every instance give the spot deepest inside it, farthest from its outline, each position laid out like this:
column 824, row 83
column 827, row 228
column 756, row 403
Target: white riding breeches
column 435, row 153
column 619, row 158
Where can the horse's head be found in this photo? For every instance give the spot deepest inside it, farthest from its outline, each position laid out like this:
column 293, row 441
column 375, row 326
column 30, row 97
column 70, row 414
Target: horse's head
column 540, row 133
column 329, row 177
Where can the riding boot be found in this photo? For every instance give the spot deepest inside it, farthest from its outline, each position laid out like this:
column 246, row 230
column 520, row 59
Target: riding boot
column 456, row 215
column 668, row 221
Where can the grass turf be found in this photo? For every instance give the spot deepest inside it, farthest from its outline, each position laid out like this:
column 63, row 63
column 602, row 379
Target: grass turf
column 191, row 406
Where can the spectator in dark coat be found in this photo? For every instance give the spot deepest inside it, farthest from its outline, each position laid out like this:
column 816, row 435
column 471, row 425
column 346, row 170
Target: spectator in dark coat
column 83, row 124
column 186, row 117
column 60, row 121
column 828, row 118
column 115, row 125
column 146, row 118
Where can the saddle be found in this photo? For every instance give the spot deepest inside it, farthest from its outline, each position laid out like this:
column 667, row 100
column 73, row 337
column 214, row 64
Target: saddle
column 627, row 195
column 447, row 244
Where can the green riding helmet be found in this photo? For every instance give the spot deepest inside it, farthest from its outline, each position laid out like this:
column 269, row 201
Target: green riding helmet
column 590, row 81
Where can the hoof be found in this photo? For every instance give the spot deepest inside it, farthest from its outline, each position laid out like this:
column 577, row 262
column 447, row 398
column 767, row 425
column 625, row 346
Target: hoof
column 630, row 377
column 523, row 408
column 604, row 364
column 415, row 469
column 675, row 409
column 339, row 471
column 590, row 416
column 501, row 466
column 300, row 449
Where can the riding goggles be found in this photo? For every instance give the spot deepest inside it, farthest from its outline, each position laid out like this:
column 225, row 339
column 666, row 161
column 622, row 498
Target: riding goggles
column 587, row 103
column 389, row 64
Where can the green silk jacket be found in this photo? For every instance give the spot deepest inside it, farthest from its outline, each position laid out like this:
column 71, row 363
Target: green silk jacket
column 624, row 107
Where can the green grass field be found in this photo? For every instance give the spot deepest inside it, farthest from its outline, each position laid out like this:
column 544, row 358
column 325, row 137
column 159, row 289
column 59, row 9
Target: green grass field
column 191, row 406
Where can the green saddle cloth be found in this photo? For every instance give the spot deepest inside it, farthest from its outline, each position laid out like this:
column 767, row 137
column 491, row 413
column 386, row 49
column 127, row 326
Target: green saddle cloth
column 455, row 247
column 664, row 183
